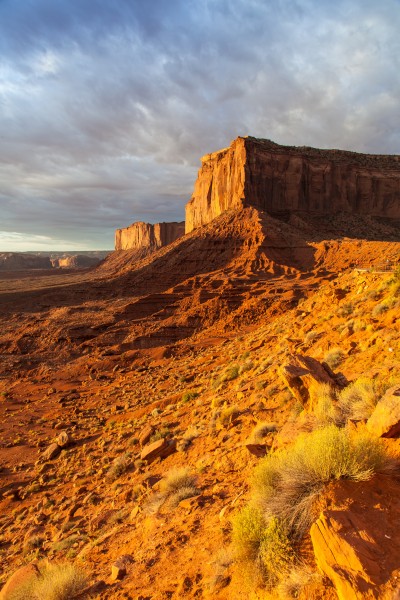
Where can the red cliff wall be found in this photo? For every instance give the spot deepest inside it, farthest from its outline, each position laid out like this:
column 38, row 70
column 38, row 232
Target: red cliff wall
column 278, row 179
column 144, row 235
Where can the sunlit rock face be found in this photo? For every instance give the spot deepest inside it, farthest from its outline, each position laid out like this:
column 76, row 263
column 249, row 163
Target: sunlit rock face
column 281, row 179
column 147, row 236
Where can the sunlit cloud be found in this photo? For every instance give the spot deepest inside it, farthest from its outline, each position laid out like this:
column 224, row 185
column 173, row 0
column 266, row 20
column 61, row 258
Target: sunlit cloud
column 106, row 108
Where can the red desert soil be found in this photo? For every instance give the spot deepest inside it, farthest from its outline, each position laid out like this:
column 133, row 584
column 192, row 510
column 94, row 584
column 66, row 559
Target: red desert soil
column 149, row 349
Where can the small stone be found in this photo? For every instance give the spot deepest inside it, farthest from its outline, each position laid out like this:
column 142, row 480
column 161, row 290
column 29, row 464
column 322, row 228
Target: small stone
column 51, row 451
column 158, row 449
column 145, row 435
column 118, row 569
column 64, row 439
column 258, row 450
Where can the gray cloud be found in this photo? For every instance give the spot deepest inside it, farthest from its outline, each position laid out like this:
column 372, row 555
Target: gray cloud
column 105, row 108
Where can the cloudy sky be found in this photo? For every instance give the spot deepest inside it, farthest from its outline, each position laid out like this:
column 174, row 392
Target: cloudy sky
column 106, row 106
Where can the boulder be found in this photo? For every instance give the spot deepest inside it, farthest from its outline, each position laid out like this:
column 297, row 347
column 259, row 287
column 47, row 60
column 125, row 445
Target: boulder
column 20, row 578
column 158, row 449
column 64, row 439
column 302, row 373
column 385, row 420
column 355, row 540
column 118, row 569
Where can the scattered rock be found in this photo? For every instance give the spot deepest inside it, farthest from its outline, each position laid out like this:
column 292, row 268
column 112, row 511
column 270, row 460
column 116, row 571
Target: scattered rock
column 258, row 450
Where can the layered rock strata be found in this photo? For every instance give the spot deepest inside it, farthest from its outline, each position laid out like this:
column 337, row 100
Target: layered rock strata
column 141, row 235
column 284, row 179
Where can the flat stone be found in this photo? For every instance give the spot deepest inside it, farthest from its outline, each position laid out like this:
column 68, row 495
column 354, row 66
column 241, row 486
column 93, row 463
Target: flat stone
column 51, row 451
column 258, row 450
column 158, row 449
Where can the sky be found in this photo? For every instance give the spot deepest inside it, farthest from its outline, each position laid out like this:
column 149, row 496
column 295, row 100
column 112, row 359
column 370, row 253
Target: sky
column 106, row 106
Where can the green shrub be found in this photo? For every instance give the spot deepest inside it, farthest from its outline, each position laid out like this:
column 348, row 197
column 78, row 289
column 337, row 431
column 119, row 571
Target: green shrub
column 287, row 482
column 384, row 306
column 256, row 539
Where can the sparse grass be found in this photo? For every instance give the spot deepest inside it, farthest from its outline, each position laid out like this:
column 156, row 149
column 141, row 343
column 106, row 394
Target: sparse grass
column 186, row 396
column 57, row 581
column 159, row 434
column 326, row 408
column 345, row 310
column 384, row 306
column 334, row 358
column 358, row 400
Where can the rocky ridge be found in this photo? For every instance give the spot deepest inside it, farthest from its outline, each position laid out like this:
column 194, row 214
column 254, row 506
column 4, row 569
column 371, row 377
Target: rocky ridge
column 285, row 180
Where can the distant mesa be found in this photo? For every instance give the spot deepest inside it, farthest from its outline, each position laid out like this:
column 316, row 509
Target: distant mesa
column 76, row 261
column 284, row 179
column 20, row 261
column 16, row 261
column 142, row 236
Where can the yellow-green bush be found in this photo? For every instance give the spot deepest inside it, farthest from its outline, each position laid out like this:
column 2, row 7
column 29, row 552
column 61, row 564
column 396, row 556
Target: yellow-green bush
column 57, row 581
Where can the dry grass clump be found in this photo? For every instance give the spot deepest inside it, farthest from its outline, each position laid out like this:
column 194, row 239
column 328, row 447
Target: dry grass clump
column 57, row 581
column 300, row 579
column 384, row 306
column 177, row 485
column 228, row 414
column 285, row 487
column 358, row 400
column 261, row 430
column 118, row 467
column 334, row 357
column 326, row 407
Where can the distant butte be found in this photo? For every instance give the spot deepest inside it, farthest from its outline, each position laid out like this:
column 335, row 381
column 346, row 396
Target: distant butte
column 278, row 179
column 139, row 236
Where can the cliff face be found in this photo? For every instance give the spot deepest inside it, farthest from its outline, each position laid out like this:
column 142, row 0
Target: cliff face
column 141, row 235
column 278, row 179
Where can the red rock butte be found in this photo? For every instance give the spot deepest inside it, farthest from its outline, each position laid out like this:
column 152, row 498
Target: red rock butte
column 147, row 236
column 278, row 179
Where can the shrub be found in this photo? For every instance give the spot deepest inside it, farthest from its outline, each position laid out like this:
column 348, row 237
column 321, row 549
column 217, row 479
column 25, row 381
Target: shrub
column 334, row 358
column 383, row 307
column 57, row 581
column 301, row 579
column 345, row 310
column 265, row 541
column 287, row 482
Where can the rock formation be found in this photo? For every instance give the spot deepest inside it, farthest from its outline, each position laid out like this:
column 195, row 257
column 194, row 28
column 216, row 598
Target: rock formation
column 77, row 261
column 16, row 261
column 145, row 235
column 281, row 179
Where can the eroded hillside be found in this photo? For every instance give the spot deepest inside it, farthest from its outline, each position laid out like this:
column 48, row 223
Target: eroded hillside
column 176, row 362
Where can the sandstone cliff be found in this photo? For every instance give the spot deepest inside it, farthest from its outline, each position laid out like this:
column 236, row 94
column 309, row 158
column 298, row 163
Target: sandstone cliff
column 281, row 179
column 147, row 236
